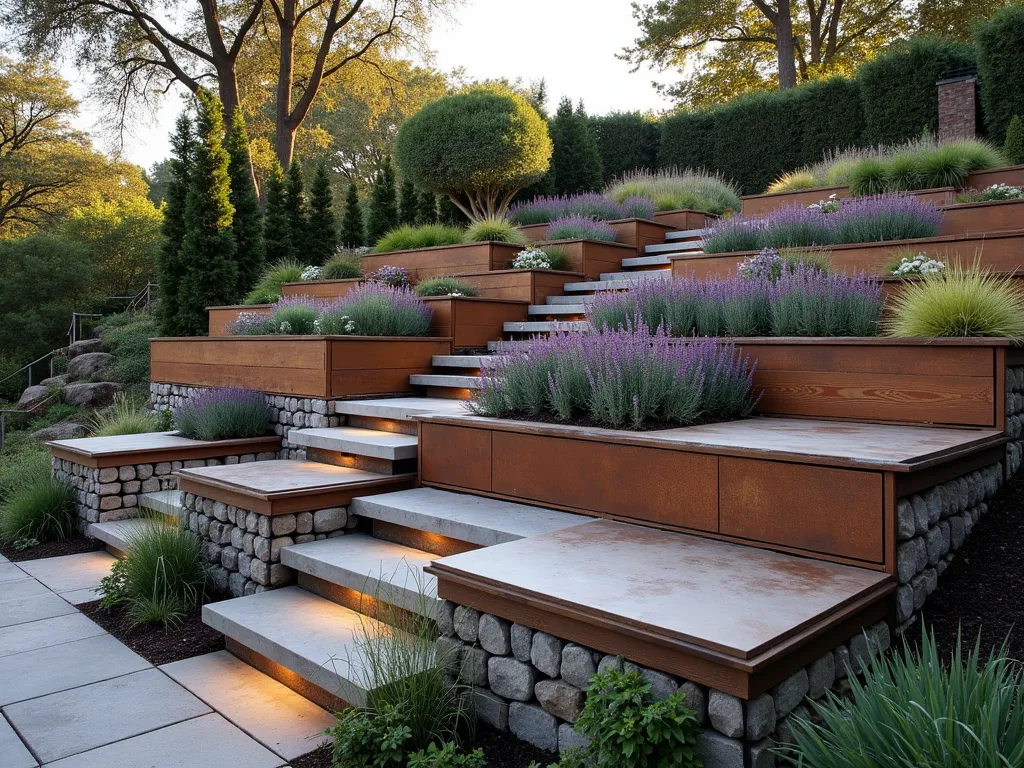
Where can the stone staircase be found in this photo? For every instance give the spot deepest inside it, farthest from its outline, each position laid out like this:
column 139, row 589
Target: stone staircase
column 162, row 506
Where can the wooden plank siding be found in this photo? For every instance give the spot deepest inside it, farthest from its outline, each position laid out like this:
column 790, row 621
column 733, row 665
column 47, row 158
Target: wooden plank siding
column 531, row 285
column 592, row 257
column 320, row 289
column 638, row 233
column 685, row 218
column 219, row 318
column 444, row 260
column 473, row 321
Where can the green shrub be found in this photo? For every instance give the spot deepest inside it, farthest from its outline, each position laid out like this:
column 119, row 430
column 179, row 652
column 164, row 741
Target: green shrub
column 407, row 237
column 868, row 177
column 673, row 189
column 346, row 267
column 1013, row 148
column 915, row 709
column 39, row 508
column 261, row 295
column 296, row 319
column 375, row 738
column 958, row 302
column 130, row 344
column 445, row 286
column 128, row 416
column 999, row 43
column 268, row 289
column 558, row 256
column 498, row 230
column 904, row 172
column 447, row 756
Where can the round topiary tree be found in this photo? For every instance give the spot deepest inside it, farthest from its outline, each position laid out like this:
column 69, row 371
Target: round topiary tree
column 476, row 148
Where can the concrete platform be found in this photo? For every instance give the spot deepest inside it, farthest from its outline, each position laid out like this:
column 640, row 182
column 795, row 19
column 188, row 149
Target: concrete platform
column 444, row 380
column 47, row 632
column 117, row 533
column 400, row 408
column 381, row 569
column 13, row 751
column 21, row 610
column 311, row 637
column 391, row 446
column 474, row 519
column 11, row 572
column 165, row 502
column 618, row 587
column 76, row 578
column 19, row 588
column 151, row 447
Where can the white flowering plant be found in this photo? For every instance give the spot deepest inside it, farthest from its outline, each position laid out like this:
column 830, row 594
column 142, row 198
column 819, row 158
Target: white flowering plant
column 920, row 264
column 311, row 273
column 991, row 194
column 531, row 258
column 827, row 206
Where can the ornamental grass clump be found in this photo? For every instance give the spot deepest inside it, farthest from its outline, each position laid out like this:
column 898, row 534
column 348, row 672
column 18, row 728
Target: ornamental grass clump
column 445, row 286
column 494, row 230
column 958, row 302
column 268, row 289
column 580, row 228
column 408, row 237
column 224, row 413
column 917, row 709
column 38, row 508
column 673, row 189
column 128, row 416
column 627, row 378
column 376, row 309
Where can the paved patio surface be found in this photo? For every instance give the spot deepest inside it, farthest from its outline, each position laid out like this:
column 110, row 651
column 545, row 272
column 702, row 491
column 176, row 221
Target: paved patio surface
column 72, row 695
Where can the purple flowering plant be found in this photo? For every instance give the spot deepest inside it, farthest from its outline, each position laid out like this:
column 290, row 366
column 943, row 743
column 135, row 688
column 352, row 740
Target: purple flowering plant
column 591, row 205
column 580, row 227
column 224, row 413
column 393, row 276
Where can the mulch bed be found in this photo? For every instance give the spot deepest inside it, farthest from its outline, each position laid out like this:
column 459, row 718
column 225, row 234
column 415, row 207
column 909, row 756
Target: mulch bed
column 155, row 643
column 981, row 590
column 73, row 546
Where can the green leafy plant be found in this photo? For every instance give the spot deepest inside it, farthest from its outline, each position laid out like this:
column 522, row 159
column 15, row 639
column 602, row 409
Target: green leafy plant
column 958, row 302
column 495, row 229
column 558, row 256
column 447, row 756
column 869, row 177
column 445, row 286
column 268, row 289
column 128, row 416
column 916, row 709
column 38, row 506
column 674, row 188
column 374, row 738
column 343, row 267
column 130, row 344
column 407, row 237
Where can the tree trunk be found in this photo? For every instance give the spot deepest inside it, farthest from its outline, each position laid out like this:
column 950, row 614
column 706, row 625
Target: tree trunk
column 784, row 46
column 284, row 133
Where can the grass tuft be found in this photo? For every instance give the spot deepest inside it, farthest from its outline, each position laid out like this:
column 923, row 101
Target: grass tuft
column 128, row 416
column 407, row 237
column 39, row 507
column 494, row 229
column 445, row 286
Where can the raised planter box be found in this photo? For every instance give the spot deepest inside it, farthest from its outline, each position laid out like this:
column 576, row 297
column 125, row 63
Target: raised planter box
column 444, row 260
column 320, row 289
column 532, row 285
column 685, row 218
column 473, row 321
column 219, row 318
column 999, row 251
column 636, row 232
column 155, row 448
column 980, row 218
column 303, row 366
column 592, row 257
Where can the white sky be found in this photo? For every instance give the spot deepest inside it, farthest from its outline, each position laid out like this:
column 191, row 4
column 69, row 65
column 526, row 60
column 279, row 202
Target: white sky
column 570, row 43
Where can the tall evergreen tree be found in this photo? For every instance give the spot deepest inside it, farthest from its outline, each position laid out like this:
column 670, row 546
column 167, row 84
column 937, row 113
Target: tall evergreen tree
column 426, row 208
column 353, row 235
column 277, row 232
column 407, row 203
column 208, row 251
column 295, row 206
column 169, row 265
column 575, row 161
column 247, row 224
column 383, row 203
column 323, row 233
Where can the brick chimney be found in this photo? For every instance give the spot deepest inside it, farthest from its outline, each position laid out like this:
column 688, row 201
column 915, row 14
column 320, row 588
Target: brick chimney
column 958, row 107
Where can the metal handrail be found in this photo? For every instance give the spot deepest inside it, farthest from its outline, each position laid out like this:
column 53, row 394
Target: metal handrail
column 29, row 367
column 5, row 411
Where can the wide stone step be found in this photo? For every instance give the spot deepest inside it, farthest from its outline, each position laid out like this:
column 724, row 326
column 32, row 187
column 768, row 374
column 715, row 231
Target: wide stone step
column 506, row 345
column 686, row 246
column 398, row 408
column 320, row 641
column 462, row 361
column 380, row 569
column 118, row 534
column 646, row 261
column 472, row 519
column 632, row 277
column 685, row 234
column 390, row 446
column 557, row 309
column 165, row 502
column 444, row 380
column 546, row 326
column 609, row 285
column 584, row 300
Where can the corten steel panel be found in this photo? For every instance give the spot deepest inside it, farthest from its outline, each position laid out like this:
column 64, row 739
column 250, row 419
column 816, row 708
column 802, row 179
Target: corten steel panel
column 666, row 487
column 640, row 233
column 280, row 381
column 266, row 351
column 457, row 456
column 978, row 218
column 1012, row 175
column 534, row 232
column 320, row 289
column 532, row 285
column 592, row 257
column 471, row 322
column 820, row 509
column 759, row 205
column 358, row 354
column 684, row 218
column 218, row 318
column 422, row 263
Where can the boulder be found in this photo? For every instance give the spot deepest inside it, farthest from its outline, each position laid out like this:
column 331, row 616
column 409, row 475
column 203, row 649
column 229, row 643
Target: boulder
column 65, row 430
column 90, row 394
column 56, row 381
column 87, row 365
column 32, row 397
column 84, row 346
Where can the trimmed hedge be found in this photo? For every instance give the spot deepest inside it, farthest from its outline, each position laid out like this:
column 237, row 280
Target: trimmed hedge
column 626, row 141
column 1000, row 46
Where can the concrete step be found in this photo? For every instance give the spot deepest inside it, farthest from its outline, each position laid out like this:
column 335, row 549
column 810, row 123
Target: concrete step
column 398, row 408
column 577, row 299
column 685, row 234
column 165, row 502
column 118, row 534
column 361, row 442
column 557, row 309
column 444, row 380
column 632, row 277
column 320, row 641
column 462, row 361
column 380, row 569
column 506, row 345
column 608, row 285
column 686, row 246
column 473, row 519
column 546, row 326
column 646, row 261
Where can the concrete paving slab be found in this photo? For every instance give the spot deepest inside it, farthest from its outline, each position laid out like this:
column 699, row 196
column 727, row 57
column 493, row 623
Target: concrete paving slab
column 33, row 608
column 80, row 719
column 274, row 715
column 80, row 596
column 13, row 752
column 204, row 741
column 4, row 559
column 68, row 665
column 15, row 590
column 11, row 572
column 71, row 572
column 47, row 632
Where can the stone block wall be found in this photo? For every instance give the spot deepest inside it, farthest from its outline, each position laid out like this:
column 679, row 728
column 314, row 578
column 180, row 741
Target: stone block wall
column 112, row 493
column 1014, row 418
column 286, row 413
column 532, row 683
column 244, row 547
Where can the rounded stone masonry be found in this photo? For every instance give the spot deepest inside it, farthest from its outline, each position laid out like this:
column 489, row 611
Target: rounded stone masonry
column 244, row 547
column 534, row 684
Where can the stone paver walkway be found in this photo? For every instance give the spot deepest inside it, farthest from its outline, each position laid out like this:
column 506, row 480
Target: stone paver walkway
column 74, row 696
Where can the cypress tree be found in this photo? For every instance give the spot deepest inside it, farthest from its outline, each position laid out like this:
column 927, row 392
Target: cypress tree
column 208, row 250
column 352, row 233
column 247, row 224
column 169, row 266
column 323, row 234
column 407, row 203
column 277, row 231
column 383, row 203
column 426, row 208
column 295, row 207
column 575, row 161
column 1014, row 146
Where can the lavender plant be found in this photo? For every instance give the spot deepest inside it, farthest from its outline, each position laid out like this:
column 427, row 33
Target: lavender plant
column 580, row 228
column 638, row 207
column 396, row 277
column 884, row 217
column 290, row 315
column 376, row 309
column 223, row 413
column 542, row 210
column 626, row 378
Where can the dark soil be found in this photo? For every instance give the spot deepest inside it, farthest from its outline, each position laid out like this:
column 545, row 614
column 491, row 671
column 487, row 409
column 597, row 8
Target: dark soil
column 318, row 758
column 981, row 590
column 153, row 642
column 73, row 546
